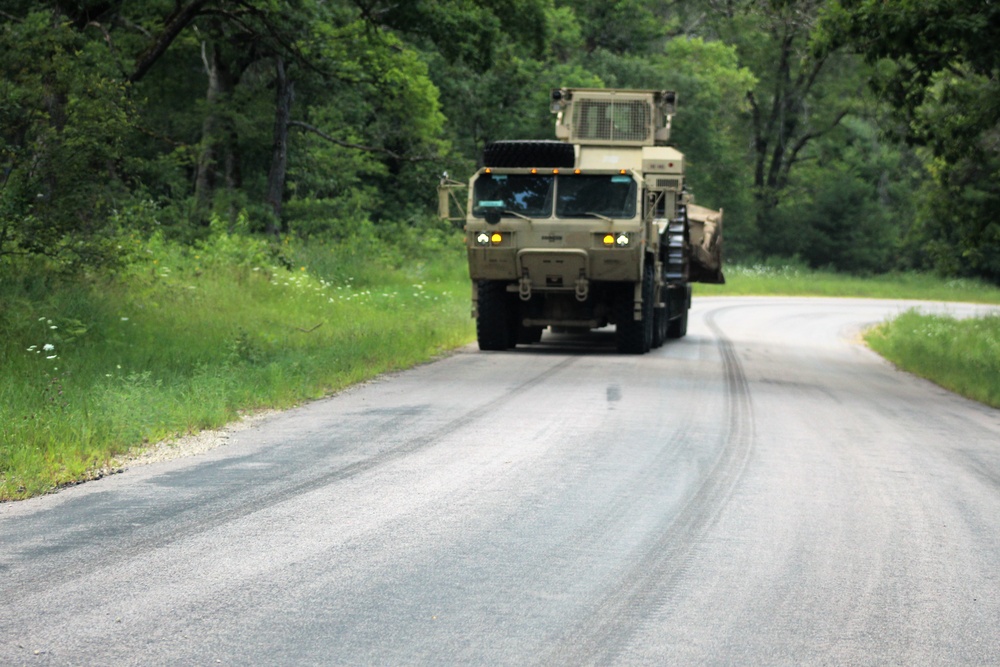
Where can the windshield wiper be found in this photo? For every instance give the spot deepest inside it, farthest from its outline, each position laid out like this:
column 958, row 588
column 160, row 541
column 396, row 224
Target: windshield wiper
column 598, row 215
column 518, row 215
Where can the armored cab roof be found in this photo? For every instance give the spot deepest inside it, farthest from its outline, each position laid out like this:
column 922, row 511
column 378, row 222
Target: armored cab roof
column 603, row 117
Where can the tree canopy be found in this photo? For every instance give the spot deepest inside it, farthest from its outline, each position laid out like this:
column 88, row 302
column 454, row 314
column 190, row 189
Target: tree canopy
column 855, row 134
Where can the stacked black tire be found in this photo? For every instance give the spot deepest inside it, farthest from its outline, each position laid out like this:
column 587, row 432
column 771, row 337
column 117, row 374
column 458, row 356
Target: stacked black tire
column 526, row 154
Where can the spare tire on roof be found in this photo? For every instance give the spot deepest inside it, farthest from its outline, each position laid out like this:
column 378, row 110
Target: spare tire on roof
column 517, row 154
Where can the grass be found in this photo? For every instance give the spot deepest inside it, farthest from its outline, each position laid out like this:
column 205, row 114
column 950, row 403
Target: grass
column 191, row 339
column 791, row 280
column 960, row 355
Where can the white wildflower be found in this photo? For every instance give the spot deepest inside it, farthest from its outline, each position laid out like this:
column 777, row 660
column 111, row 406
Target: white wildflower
column 48, row 347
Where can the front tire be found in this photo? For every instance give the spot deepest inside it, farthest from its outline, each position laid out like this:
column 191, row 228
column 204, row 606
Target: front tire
column 494, row 325
column 636, row 336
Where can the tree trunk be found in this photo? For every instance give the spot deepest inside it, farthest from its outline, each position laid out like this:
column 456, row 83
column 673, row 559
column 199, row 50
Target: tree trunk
column 217, row 134
column 279, row 151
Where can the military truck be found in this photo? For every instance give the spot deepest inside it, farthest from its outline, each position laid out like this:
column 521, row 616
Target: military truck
column 592, row 229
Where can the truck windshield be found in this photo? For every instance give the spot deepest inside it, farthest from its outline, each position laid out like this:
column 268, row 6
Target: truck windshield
column 521, row 193
column 608, row 196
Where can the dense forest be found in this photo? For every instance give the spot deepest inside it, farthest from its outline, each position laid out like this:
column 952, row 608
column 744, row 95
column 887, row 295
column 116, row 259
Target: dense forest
column 859, row 135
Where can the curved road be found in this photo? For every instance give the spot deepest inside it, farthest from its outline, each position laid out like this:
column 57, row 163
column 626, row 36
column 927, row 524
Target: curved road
column 765, row 491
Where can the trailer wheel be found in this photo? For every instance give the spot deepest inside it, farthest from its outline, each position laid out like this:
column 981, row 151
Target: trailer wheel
column 636, row 336
column 494, row 325
column 514, row 154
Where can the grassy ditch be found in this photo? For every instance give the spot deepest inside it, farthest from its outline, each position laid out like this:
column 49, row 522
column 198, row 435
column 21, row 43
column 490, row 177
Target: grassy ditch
column 960, row 355
column 191, row 338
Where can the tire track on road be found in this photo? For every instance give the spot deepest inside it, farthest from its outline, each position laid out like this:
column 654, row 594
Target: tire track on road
column 649, row 584
column 109, row 545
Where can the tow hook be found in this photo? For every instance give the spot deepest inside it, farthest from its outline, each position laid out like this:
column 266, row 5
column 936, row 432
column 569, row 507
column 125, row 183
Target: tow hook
column 524, row 288
column 582, row 288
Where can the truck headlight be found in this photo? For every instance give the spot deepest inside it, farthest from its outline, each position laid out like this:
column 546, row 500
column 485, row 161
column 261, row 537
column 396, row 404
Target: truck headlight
column 489, row 238
column 615, row 239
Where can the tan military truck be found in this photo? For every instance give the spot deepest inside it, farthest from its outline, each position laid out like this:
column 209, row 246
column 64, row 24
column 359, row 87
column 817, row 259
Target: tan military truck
column 593, row 229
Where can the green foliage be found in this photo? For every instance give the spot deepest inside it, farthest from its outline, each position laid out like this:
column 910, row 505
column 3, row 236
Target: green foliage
column 190, row 338
column 938, row 71
column 843, row 210
column 63, row 114
column 470, row 31
column 960, row 355
column 956, row 231
column 632, row 27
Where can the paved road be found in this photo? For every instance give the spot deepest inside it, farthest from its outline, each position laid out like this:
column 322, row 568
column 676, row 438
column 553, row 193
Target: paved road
column 765, row 491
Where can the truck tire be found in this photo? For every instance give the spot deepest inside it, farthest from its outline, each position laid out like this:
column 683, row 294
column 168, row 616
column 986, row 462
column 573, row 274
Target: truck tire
column 494, row 325
column 678, row 327
column 661, row 325
column 636, row 336
column 515, row 154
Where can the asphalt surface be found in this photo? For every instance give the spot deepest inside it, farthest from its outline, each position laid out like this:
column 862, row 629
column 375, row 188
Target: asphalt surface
column 765, row 491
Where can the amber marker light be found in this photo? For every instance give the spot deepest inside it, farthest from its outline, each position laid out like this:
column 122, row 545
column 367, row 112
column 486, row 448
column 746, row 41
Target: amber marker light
column 534, row 171
column 488, row 170
column 609, row 239
column 555, row 171
column 496, row 238
column 576, row 171
column 621, row 171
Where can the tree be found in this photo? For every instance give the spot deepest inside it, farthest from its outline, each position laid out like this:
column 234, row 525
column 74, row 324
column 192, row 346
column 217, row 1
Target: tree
column 63, row 114
column 937, row 66
column 623, row 26
column 799, row 96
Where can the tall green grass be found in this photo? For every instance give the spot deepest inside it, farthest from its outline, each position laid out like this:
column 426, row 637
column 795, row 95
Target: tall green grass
column 960, row 355
column 789, row 279
column 190, row 339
